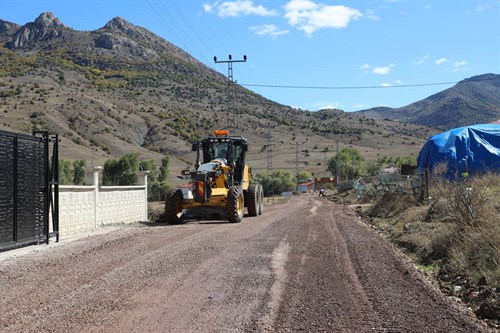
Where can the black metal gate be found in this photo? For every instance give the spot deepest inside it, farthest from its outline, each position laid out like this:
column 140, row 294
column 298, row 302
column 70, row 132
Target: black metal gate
column 29, row 190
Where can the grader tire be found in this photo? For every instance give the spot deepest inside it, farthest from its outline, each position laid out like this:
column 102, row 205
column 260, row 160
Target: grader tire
column 235, row 204
column 173, row 206
column 252, row 199
column 260, row 199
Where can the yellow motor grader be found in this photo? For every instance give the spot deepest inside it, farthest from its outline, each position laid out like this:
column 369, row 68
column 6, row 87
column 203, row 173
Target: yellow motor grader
column 220, row 186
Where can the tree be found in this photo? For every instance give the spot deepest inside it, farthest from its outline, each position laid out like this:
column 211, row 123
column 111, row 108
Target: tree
column 164, row 169
column 303, row 177
column 280, row 181
column 373, row 169
column 79, row 172
column 350, row 164
column 65, row 173
column 157, row 184
column 148, row 165
column 121, row 172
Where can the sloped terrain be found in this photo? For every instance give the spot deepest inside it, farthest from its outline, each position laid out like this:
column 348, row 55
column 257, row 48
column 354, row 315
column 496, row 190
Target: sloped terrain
column 475, row 100
column 122, row 89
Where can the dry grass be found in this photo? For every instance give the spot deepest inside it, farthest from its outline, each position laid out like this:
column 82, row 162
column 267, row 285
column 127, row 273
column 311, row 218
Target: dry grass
column 457, row 227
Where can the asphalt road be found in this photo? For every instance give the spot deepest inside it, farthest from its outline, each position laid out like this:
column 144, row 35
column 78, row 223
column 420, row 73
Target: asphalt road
column 305, row 265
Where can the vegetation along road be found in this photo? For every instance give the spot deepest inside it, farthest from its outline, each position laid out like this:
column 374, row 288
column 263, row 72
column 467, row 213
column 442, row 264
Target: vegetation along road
column 306, row 264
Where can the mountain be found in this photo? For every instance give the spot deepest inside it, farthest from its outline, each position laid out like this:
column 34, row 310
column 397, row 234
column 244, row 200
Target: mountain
column 475, row 100
column 122, row 89
column 7, row 29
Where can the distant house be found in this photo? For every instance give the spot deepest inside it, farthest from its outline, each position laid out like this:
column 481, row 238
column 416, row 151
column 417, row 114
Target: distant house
column 305, row 187
column 391, row 169
column 322, row 181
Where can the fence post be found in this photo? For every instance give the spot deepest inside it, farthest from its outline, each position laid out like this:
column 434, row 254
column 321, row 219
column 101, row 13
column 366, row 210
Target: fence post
column 143, row 180
column 92, row 178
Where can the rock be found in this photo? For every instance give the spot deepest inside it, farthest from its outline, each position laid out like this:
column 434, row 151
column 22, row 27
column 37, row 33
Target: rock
column 482, row 281
column 49, row 20
column 8, row 28
column 104, row 41
column 488, row 311
column 46, row 26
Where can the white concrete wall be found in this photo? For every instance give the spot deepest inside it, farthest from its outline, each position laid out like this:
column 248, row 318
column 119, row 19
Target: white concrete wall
column 86, row 208
column 121, row 205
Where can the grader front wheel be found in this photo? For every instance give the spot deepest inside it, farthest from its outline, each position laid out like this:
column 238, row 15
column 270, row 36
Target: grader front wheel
column 235, row 204
column 173, row 206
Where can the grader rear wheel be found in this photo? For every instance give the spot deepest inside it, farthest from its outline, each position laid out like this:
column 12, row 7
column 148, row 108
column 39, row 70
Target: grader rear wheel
column 235, row 204
column 260, row 199
column 252, row 199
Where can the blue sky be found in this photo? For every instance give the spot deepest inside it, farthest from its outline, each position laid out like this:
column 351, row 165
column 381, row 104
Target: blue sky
column 310, row 54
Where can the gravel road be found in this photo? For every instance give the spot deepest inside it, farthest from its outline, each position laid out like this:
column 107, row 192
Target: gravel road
column 305, row 265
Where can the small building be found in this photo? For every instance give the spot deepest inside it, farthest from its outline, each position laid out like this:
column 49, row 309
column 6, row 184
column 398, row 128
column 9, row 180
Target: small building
column 305, row 187
column 320, row 182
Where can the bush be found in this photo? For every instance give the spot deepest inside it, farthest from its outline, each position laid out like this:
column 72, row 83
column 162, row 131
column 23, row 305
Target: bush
column 472, row 207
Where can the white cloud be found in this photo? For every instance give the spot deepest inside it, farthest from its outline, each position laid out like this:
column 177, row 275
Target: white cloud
column 365, row 68
column 420, row 60
column 237, row 8
column 460, row 66
column 382, row 70
column 481, row 8
column 327, row 105
column 441, row 61
column 386, row 85
column 309, row 16
column 359, row 106
column 268, row 30
column 399, row 82
column 370, row 14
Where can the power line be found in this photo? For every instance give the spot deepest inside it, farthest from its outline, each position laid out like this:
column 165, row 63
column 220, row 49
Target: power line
column 359, row 87
column 172, row 24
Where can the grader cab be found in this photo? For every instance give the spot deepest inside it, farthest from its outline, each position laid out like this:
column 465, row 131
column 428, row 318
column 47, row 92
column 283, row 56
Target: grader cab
column 221, row 183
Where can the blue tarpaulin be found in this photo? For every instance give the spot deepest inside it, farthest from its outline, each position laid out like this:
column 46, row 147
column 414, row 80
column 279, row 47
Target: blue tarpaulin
column 469, row 149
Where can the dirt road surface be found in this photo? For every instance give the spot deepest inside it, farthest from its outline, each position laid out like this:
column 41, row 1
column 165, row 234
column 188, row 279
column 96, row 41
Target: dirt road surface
column 305, row 265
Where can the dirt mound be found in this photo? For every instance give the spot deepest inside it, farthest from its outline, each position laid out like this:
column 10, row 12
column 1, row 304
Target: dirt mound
column 391, row 204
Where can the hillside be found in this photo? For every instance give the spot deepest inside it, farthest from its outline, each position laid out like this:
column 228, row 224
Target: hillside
column 475, row 100
column 122, row 89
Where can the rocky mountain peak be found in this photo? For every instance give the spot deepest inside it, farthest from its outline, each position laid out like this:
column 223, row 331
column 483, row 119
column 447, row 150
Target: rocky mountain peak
column 7, row 28
column 45, row 27
column 48, row 20
column 122, row 25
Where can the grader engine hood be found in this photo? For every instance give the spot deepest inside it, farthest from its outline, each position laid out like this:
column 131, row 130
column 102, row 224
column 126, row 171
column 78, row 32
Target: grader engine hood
column 208, row 176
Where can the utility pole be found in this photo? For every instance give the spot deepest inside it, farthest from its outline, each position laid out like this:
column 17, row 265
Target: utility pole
column 296, row 159
column 231, row 117
column 269, row 151
column 338, row 169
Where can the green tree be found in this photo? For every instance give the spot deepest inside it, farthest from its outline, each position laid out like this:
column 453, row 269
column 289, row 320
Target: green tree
column 121, row 172
column 65, row 172
column 148, row 165
column 79, row 172
column 350, row 164
column 164, row 169
column 372, row 169
column 157, row 181
column 303, row 177
column 411, row 160
column 276, row 183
